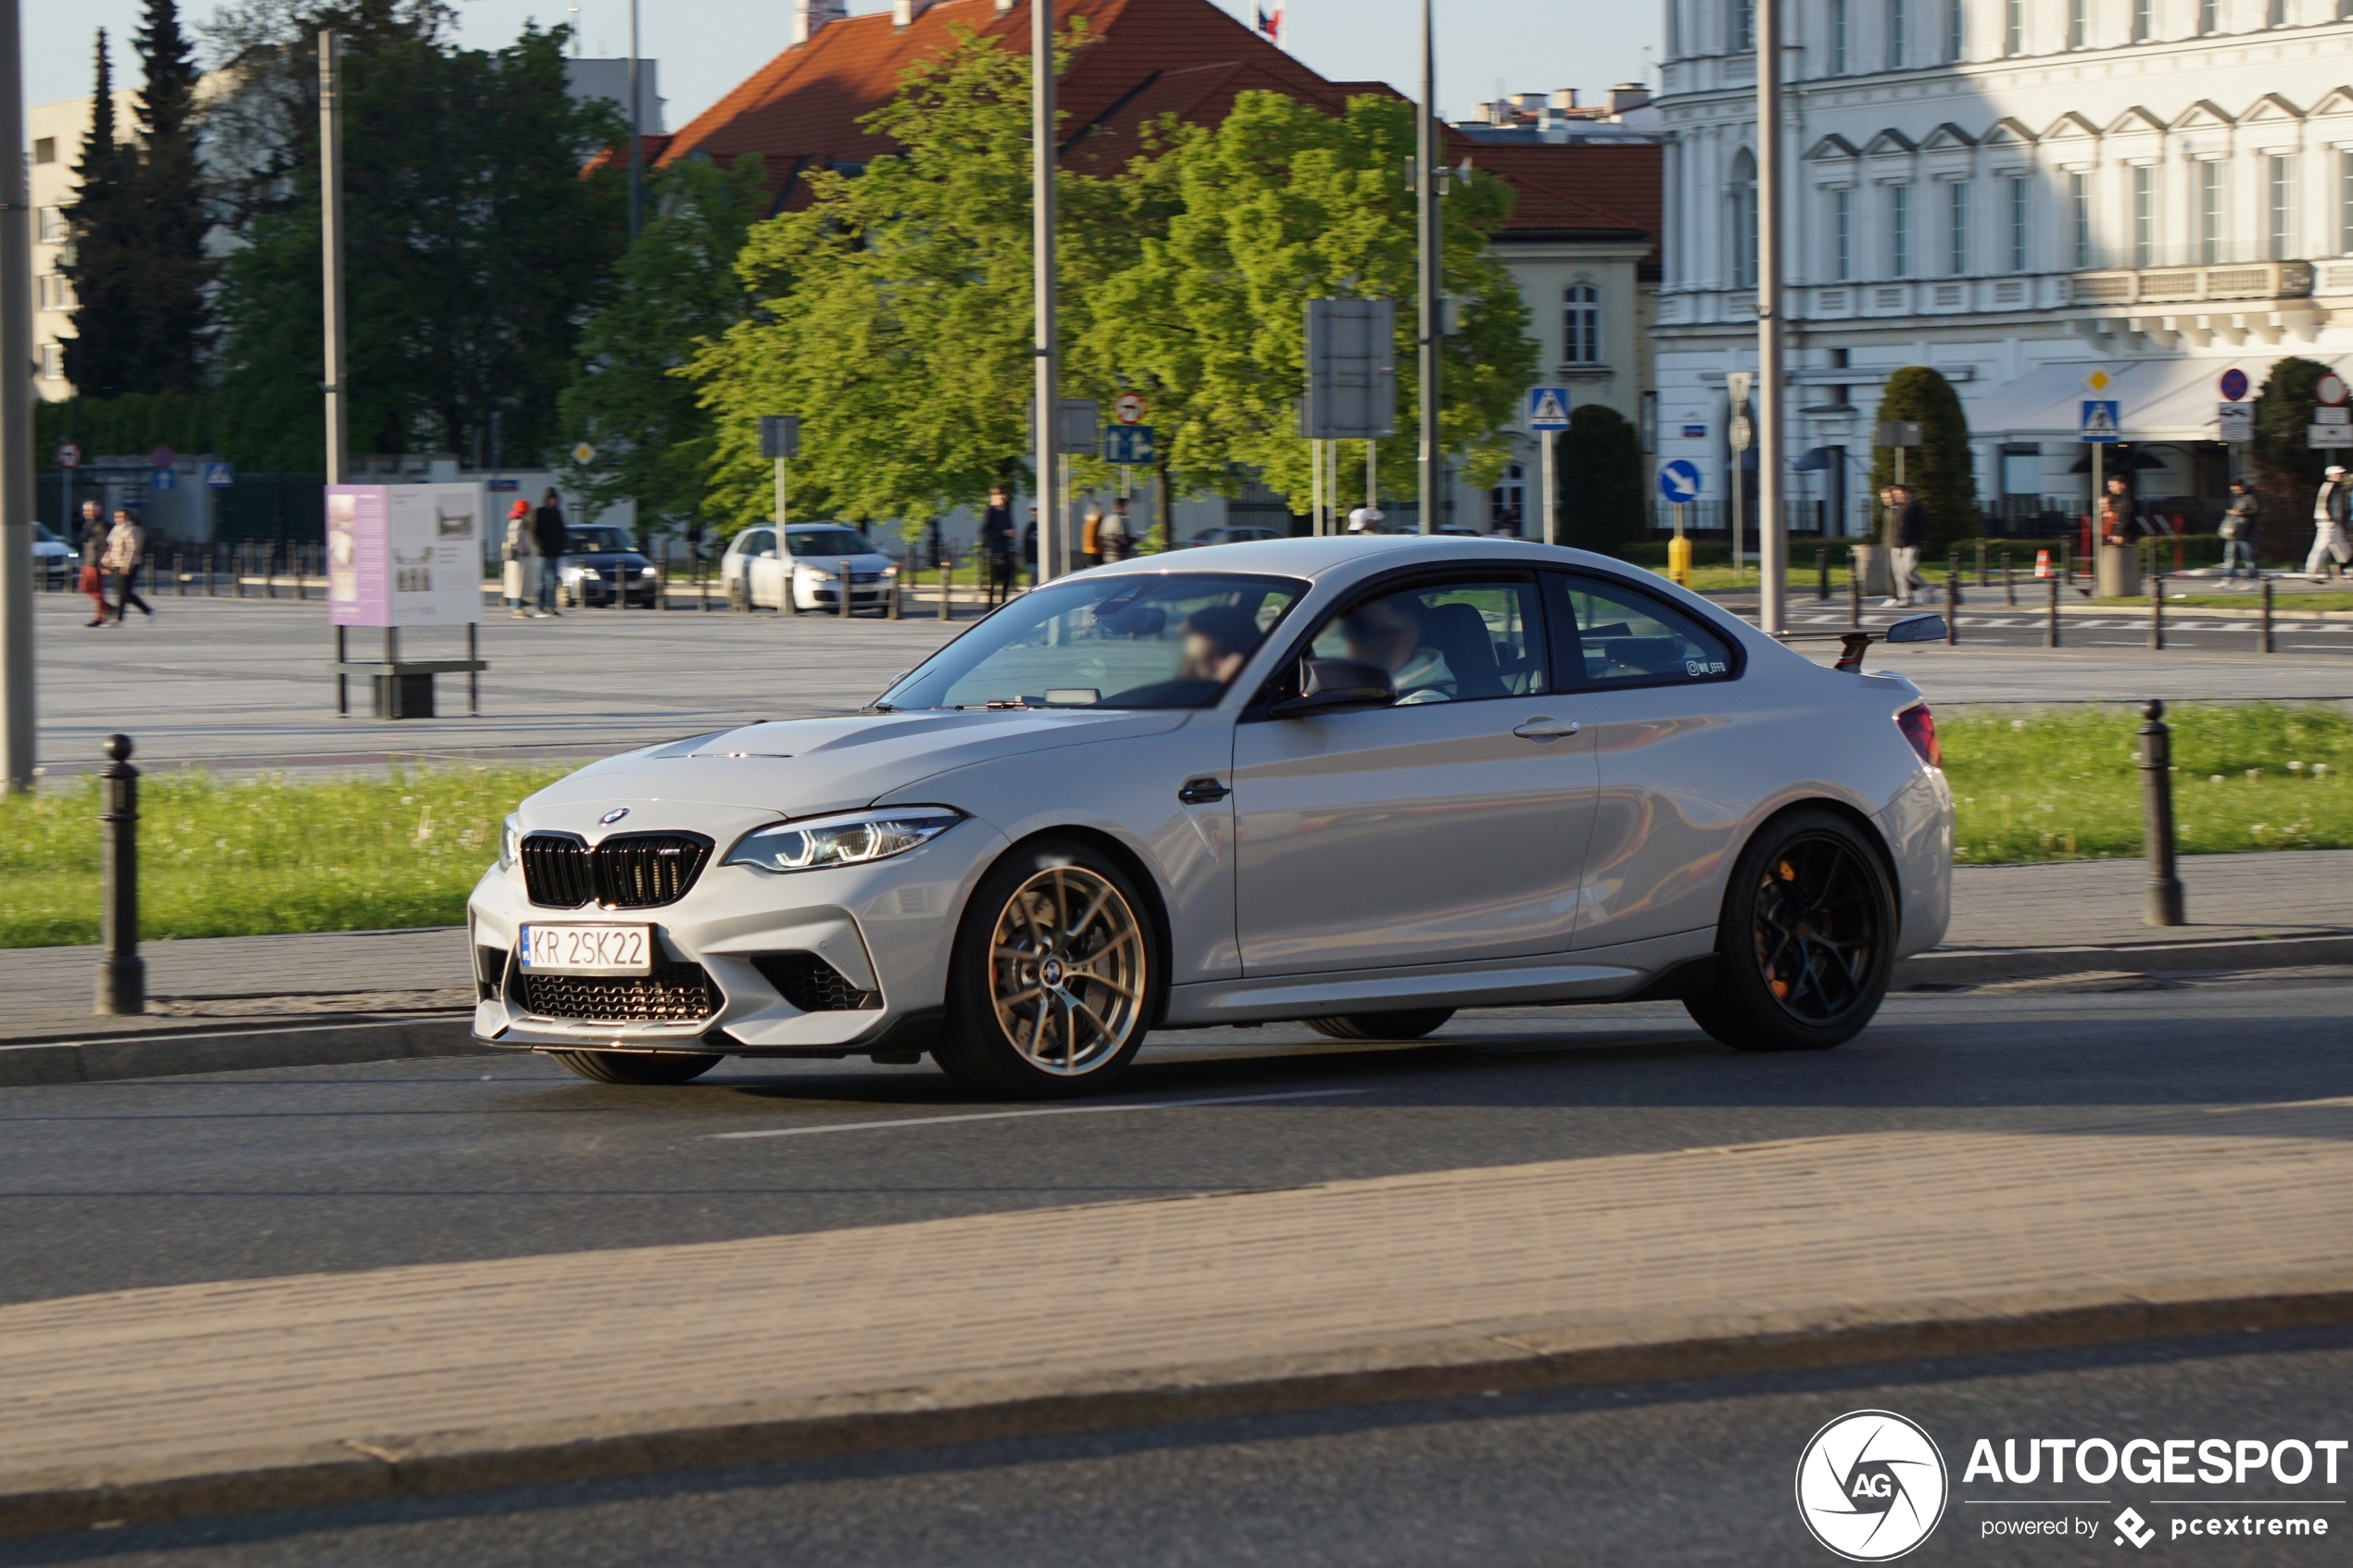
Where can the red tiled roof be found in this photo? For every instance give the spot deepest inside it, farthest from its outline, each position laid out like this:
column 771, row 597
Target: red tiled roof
column 1143, row 59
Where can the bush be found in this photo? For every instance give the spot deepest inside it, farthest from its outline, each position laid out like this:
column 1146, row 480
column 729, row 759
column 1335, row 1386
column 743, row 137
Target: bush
column 2287, row 470
column 1601, row 482
column 1941, row 468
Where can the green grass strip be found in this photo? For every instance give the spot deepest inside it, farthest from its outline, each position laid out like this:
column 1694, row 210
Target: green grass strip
column 249, row 856
column 2064, row 784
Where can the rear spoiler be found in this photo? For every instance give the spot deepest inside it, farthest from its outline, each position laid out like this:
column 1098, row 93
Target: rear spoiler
column 1911, row 629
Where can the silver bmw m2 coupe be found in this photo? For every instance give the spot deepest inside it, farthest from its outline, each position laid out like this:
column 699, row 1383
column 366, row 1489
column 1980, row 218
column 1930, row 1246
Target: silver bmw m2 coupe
column 1361, row 783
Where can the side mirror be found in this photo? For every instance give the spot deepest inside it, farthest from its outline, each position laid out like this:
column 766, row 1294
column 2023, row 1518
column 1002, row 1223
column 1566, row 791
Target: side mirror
column 1328, row 686
column 1918, row 629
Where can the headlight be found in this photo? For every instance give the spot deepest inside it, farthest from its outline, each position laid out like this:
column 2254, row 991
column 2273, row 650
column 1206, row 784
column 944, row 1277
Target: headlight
column 510, row 843
column 588, row 575
column 851, row 840
column 647, row 572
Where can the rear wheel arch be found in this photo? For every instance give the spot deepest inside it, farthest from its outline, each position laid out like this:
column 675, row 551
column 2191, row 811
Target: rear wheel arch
column 1858, row 820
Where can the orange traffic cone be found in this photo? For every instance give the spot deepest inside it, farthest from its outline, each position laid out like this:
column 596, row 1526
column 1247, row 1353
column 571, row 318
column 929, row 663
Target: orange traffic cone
column 2042, row 563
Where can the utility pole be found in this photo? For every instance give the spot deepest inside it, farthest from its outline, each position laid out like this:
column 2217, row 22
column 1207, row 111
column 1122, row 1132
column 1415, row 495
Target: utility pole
column 1041, row 140
column 16, row 733
column 637, row 134
column 1772, row 521
column 1431, row 266
column 331, row 245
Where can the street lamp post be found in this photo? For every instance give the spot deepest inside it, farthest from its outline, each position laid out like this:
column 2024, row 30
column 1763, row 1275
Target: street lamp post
column 1430, row 259
column 1042, row 136
column 331, row 247
column 636, row 132
column 1772, row 521
column 16, row 733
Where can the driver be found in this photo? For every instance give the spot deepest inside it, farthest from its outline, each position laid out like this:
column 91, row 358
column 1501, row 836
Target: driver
column 1387, row 633
column 1218, row 642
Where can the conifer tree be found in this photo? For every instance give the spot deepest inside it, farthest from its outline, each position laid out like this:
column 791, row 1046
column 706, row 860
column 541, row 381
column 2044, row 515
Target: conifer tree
column 168, row 265
column 102, row 356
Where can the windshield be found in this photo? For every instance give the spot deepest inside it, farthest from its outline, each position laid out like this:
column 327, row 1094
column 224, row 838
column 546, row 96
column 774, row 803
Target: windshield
column 1171, row 639
column 601, row 540
column 829, row 542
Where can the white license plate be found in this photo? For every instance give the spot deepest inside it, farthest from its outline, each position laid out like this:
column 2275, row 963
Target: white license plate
column 588, row 950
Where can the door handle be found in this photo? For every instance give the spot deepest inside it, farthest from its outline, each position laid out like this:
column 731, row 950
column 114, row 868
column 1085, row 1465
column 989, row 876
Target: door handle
column 1545, row 729
column 1203, row 791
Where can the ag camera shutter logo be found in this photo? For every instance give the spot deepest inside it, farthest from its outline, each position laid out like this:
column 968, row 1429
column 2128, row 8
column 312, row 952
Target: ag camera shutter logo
column 1871, row 1486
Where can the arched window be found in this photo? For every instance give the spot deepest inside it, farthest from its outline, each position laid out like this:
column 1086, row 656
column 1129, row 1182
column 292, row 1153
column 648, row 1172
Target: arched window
column 1742, row 227
column 1507, row 502
column 1581, row 324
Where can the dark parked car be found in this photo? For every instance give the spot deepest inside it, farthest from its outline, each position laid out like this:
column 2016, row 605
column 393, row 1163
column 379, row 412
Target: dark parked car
column 597, row 559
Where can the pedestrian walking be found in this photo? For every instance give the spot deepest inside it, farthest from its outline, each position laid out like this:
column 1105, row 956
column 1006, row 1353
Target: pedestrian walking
column 2328, row 525
column 94, row 551
column 997, row 544
column 2237, row 530
column 1906, row 531
column 2119, row 521
column 126, row 544
column 1090, row 537
column 517, row 556
column 1114, row 540
column 547, row 538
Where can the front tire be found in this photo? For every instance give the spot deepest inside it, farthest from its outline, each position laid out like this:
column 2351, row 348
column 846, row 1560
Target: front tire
column 1408, row 1023
column 1054, row 978
column 1806, row 944
column 622, row 1067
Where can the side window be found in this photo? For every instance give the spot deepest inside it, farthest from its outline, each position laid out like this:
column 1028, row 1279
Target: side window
column 1458, row 640
column 758, row 542
column 1609, row 635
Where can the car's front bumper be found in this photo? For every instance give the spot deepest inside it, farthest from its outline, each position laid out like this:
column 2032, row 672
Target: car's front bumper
column 747, row 936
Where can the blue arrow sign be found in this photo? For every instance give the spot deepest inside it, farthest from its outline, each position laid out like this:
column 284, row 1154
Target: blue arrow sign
column 1680, row 481
column 1548, row 408
column 1129, row 444
column 2100, row 421
column 164, row 478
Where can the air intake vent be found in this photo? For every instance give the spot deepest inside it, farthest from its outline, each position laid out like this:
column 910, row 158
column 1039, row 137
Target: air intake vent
column 812, row 985
column 673, row 993
column 631, row 871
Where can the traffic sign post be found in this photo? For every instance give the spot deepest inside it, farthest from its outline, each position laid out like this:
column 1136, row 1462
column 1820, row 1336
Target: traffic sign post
column 2331, row 423
column 1128, row 408
column 1129, row 444
column 68, row 456
column 779, row 442
column 1548, row 416
column 220, row 475
column 1681, row 482
column 1741, row 435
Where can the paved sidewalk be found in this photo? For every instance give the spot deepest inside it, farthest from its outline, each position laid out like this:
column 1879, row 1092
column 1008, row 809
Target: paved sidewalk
column 2077, row 903
column 283, row 1390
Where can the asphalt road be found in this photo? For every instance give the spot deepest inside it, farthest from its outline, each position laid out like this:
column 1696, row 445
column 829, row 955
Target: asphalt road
column 164, row 1181
column 1683, row 1473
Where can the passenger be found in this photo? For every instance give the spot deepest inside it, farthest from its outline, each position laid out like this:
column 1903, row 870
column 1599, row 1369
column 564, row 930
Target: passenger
column 1218, row 642
column 1389, row 633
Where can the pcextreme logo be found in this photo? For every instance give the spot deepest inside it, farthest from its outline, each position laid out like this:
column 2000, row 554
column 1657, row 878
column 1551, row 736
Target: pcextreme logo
column 1871, row 1486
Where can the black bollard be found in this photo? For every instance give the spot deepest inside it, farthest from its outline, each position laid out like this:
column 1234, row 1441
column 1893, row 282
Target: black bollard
column 2157, row 612
column 946, row 566
column 2264, row 644
column 122, row 973
column 1854, row 593
column 1822, row 575
column 2157, row 811
column 2051, row 627
column 1953, row 599
column 2009, row 583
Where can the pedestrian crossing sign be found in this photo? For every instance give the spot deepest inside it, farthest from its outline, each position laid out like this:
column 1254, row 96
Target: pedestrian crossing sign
column 2100, row 421
column 1548, row 408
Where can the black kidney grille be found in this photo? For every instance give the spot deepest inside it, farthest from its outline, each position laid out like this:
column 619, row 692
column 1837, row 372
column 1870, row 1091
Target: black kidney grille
column 812, row 985
column 673, row 993
column 637, row 870
column 634, row 870
column 555, row 871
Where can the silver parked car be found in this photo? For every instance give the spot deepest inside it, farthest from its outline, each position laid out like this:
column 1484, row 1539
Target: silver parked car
column 55, row 562
column 808, row 576
column 1361, row 783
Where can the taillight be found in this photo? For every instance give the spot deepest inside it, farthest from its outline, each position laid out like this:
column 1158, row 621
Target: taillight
column 1920, row 727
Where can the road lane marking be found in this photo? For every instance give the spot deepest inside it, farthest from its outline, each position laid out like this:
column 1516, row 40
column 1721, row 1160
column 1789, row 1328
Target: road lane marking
column 1048, row 1110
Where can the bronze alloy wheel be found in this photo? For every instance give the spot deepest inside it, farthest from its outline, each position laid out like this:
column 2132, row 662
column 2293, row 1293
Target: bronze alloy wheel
column 1067, row 970
column 1816, row 929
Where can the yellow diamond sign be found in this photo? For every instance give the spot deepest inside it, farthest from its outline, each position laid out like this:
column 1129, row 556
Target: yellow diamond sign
column 2098, row 381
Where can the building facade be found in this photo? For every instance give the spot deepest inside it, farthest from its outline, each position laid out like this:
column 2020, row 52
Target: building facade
column 2018, row 196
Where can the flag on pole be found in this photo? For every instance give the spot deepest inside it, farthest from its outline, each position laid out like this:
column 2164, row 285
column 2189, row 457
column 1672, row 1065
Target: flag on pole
column 1270, row 20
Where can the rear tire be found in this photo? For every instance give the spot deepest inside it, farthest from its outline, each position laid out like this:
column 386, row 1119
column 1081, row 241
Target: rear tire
column 1409, row 1023
column 1806, row 944
column 622, row 1067
column 1054, row 977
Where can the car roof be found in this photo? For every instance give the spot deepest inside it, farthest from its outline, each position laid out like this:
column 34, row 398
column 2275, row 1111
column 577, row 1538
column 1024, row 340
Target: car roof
column 1296, row 556
column 815, row 527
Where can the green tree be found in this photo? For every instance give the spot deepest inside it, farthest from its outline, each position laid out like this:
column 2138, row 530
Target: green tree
column 1279, row 204
column 1941, row 469
column 894, row 312
column 476, row 251
column 102, row 358
column 678, row 291
column 1601, row 480
column 2287, row 466
column 171, row 270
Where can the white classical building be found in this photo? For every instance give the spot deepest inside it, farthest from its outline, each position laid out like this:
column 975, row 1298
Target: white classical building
column 2018, row 195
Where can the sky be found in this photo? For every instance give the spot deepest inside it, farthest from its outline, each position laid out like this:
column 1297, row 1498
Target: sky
column 706, row 47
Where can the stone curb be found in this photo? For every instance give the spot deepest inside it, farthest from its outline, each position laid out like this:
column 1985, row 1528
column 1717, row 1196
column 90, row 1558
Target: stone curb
column 1469, row 1361
column 169, row 1053
column 1968, row 966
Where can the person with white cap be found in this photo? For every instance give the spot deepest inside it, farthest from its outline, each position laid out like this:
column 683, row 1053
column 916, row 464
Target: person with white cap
column 2328, row 524
column 1367, row 520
